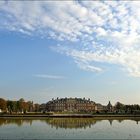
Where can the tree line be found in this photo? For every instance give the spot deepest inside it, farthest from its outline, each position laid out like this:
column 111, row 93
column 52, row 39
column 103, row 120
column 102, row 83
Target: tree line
column 122, row 108
column 19, row 106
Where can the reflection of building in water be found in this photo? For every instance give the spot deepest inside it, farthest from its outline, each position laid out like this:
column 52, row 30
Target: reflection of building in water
column 110, row 121
column 71, row 122
column 71, row 104
column 63, row 122
column 120, row 120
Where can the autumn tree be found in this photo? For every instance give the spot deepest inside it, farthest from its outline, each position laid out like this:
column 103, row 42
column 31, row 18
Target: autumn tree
column 30, row 106
column 2, row 104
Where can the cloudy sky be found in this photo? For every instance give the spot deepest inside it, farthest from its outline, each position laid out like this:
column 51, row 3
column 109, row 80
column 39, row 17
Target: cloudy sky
column 52, row 49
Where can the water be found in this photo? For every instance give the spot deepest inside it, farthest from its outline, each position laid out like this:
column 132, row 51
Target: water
column 69, row 128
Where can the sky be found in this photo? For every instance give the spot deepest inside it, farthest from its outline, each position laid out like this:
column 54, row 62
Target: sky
column 51, row 49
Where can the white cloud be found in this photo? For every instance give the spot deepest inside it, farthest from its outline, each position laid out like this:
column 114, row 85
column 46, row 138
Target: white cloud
column 49, row 76
column 87, row 66
column 107, row 32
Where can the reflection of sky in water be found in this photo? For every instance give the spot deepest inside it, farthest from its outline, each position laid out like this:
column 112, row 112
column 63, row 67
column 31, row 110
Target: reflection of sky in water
column 62, row 128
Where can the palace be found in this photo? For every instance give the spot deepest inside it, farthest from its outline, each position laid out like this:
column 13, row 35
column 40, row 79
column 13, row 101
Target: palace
column 71, row 104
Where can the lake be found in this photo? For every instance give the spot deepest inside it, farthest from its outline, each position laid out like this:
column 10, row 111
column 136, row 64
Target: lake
column 69, row 128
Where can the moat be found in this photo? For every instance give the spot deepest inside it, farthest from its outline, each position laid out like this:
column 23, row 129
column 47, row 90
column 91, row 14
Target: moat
column 69, row 128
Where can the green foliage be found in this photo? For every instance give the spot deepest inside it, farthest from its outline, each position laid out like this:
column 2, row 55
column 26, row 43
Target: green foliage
column 119, row 106
column 127, row 109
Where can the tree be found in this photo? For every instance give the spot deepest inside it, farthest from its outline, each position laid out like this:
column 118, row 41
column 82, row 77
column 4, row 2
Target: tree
column 36, row 107
column 14, row 105
column 30, row 106
column 21, row 105
column 136, row 107
column 2, row 104
column 119, row 106
column 10, row 106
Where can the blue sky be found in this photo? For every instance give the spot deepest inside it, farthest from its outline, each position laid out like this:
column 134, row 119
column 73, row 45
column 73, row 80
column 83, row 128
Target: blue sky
column 70, row 49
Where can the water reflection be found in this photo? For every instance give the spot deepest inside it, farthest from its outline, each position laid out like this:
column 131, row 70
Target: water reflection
column 63, row 122
column 71, row 122
column 18, row 122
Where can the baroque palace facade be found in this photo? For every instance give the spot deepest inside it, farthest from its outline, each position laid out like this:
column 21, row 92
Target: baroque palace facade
column 71, row 104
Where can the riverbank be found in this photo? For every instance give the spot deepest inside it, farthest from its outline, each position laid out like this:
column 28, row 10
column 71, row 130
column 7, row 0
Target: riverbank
column 70, row 115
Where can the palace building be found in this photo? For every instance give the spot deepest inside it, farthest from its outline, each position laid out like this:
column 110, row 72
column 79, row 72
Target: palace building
column 71, row 105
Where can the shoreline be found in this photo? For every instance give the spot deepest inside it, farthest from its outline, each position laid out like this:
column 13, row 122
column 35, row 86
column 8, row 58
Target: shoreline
column 71, row 116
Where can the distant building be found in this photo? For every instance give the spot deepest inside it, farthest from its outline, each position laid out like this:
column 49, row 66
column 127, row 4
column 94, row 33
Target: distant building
column 100, row 107
column 71, row 104
column 109, row 107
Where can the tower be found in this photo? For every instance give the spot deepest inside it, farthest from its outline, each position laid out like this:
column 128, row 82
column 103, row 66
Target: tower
column 109, row 107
